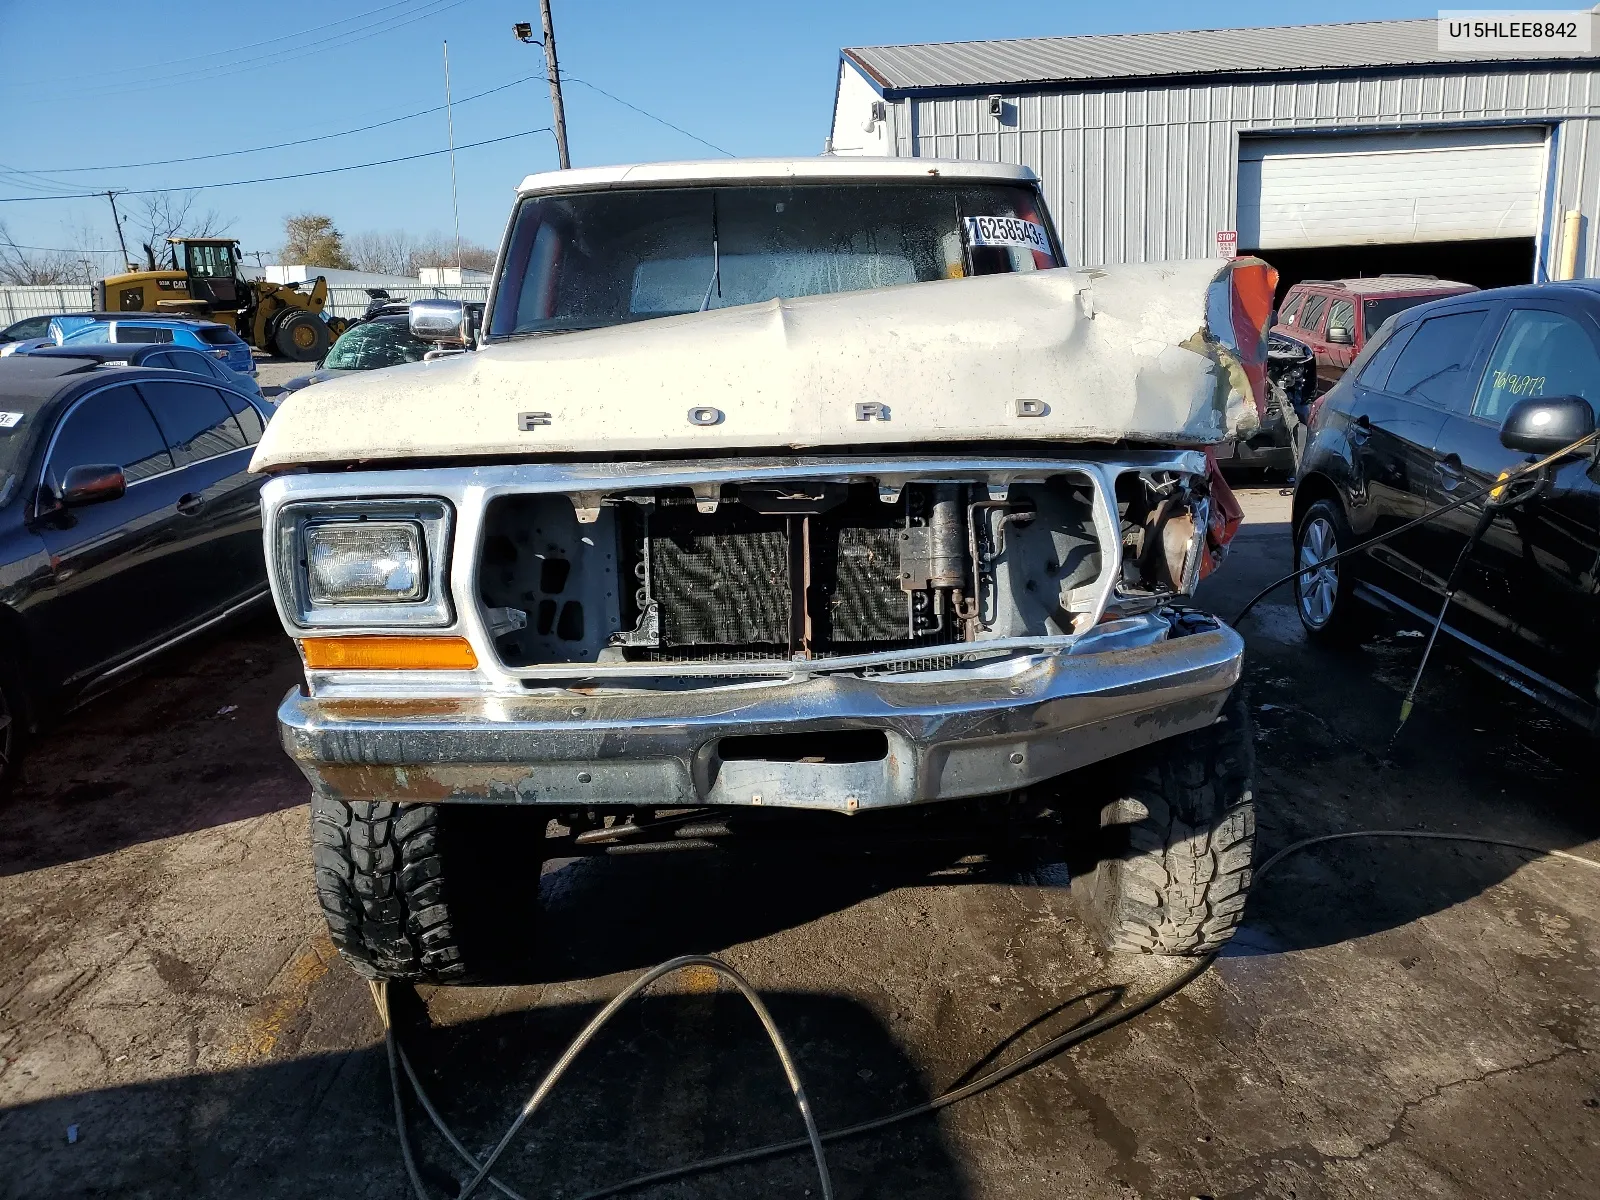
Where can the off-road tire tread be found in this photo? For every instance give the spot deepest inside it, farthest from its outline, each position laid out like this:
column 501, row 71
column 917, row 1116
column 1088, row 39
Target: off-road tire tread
column 1178, row 841
column 381, row 881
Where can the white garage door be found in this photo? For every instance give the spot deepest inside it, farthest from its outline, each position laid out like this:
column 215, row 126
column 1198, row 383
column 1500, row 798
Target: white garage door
column 1394, row 187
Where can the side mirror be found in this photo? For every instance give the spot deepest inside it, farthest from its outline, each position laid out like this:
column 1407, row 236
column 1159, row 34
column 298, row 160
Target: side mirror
column 440, row 321
column 1339, row 335
column 1544, row 424
column 94, row 484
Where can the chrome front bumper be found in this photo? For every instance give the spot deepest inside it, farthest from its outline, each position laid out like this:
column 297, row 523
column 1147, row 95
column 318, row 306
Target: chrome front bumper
column 966, row 732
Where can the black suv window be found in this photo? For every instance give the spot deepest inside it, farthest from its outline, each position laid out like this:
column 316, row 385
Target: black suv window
column 246, row 414
column 196, row 420
column 112, row 426
column 180, row 359
column 1432, row 366
column 1382, row 355
column 1538, row 353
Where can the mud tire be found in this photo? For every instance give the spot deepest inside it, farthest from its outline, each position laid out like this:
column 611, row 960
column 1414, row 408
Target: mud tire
column 429, row 893
column 1176, row 844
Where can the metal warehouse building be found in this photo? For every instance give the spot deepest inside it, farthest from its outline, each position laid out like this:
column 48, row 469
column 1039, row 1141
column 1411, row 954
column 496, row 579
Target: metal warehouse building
column 1331, row 150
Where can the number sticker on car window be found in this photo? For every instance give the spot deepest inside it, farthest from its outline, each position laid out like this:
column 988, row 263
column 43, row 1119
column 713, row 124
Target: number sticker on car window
column 1007, row 231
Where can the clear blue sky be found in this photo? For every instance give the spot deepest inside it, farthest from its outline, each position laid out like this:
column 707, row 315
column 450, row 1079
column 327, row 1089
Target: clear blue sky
column 101, row 82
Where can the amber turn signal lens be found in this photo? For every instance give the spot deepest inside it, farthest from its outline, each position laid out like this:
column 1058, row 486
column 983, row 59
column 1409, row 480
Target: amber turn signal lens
column 388, row 653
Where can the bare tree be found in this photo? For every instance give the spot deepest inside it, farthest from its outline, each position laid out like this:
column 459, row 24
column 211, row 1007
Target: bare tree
column 23, row 265
column 397, row 252
column 384, row 253
column 160, row 215
column 441, row 252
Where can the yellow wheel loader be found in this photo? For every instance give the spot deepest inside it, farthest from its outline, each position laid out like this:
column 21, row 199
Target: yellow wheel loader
column 277, row 318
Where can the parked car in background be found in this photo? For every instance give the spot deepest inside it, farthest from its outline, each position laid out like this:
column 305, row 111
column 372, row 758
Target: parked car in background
column 381, row 338
column 1415, row 424
column 129, row 520
column 1337, row 317
column 49, row 329
column 160, row 354
column 209, row 337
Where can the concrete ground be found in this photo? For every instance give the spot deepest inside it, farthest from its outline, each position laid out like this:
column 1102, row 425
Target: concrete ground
column 1396, row 1018
column 272, row 373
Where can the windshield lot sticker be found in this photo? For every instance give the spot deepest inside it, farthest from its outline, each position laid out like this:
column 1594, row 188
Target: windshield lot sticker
column 10, row 420
column 1007, row 231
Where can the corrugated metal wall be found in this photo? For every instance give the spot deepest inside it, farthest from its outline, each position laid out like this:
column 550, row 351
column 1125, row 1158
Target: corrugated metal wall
column 1135, row 174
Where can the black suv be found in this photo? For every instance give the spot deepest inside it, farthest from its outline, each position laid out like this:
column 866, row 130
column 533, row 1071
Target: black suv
column 1416, row 422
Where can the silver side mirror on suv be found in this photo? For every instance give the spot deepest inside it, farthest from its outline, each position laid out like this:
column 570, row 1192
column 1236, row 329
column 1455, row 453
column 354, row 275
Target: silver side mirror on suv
column 441, row 321
column 1339, row 335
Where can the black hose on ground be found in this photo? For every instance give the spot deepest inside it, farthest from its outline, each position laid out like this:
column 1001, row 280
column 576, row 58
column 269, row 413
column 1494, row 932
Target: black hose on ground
column 1077, row 1034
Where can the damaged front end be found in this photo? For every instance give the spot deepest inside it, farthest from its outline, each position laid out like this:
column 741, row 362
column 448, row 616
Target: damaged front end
column 704, row 633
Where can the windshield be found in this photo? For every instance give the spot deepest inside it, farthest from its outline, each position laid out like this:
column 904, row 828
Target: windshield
column 1375, row 312
column 373, row 345
column 596, row 259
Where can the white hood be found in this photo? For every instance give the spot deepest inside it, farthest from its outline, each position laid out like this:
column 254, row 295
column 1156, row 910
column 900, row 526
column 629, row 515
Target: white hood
column 1143, row 353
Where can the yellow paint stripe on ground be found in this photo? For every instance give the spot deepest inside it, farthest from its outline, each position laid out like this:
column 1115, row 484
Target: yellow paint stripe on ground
column 283, row 1003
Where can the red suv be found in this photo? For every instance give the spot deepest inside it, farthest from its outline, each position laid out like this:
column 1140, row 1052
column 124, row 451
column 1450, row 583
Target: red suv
column 1337, row 317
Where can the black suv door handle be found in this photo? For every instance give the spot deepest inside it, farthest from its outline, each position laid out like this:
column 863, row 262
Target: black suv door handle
column 190, row 504
column 1360, row 429
column 1450, row 470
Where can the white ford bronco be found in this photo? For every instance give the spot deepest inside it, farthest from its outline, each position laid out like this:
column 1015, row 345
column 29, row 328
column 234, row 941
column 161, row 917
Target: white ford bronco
column 771, row 485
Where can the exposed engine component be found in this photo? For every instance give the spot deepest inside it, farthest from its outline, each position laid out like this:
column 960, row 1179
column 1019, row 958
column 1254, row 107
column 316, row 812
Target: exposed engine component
column 803, row 570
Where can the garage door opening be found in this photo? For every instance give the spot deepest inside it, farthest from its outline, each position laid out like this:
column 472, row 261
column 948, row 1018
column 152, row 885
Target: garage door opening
column 1457, row 203
column 1490, row 263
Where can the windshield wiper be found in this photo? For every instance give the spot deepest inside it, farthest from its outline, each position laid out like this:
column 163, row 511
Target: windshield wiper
column 716, row 260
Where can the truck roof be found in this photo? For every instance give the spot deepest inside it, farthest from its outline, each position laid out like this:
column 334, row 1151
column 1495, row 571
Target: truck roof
column 705, row 172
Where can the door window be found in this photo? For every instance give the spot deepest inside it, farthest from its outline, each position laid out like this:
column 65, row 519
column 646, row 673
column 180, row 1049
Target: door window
column 1539, row 353
column 246, row 414
column 1291, row 307
column 191, row 361
column 210, row 262
column 142, row 333
column 1343, row 313
column 112, row 427
column 1311, row 315
column 194, row 417
column 1432, row 367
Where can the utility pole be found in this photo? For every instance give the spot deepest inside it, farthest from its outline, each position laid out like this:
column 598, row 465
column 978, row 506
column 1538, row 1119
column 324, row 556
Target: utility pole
column 524, row 33
column 554, row 72
column 117, row 221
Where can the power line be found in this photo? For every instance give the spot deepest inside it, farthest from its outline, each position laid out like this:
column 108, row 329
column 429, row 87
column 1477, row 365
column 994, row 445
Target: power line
column 201, row 187
column 167, row 162
column 54, row 249
column 659, row 120
column 203, row 74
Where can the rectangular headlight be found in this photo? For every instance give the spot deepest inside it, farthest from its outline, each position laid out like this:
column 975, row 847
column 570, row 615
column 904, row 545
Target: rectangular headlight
column 377, row 564
column 365, row 562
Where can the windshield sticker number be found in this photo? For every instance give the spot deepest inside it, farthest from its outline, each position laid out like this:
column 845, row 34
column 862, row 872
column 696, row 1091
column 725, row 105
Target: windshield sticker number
column 9, row 420
column 1008, row 231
